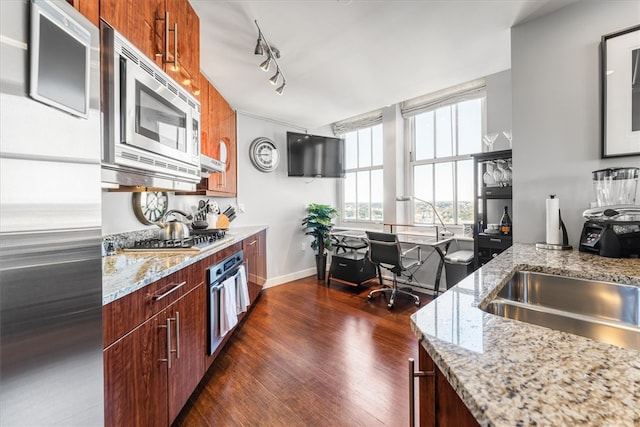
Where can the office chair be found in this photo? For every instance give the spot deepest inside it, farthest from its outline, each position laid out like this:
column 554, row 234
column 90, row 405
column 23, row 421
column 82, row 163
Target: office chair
column 385, row 252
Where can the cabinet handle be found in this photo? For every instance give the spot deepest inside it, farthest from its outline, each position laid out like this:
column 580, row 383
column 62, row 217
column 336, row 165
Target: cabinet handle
column 175, row 46
column 177, row 335
column 175, row 288
column 167, row 30
column 416, row 374
column 168, row 326
column 165, row 53
column 495, row 240
column 253, row 243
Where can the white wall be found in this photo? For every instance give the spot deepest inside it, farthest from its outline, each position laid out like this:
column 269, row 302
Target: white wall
column 499, row 107
column 278, row 201
column 556, row 112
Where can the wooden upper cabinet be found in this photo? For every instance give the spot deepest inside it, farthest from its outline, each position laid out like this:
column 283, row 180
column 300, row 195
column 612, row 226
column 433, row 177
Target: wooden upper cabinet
column 204, row 114
column 222, row 144
column 116, row 13
column 219, row 141
column 136, row 21
column 89, row 8
column 145, row 30
column 184, row 20
column 142, row 22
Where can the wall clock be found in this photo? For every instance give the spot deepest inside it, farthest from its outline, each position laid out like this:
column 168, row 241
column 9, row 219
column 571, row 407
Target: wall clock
column 264, row 154
column 150, row 206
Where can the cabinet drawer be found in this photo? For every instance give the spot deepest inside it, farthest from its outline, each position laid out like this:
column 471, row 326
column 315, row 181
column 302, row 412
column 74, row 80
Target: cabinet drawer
column 498, row 242
column 124, row 314
column 352, row 267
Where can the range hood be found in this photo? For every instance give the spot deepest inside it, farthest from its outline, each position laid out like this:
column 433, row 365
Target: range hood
column 209, row 165
column 114, row 176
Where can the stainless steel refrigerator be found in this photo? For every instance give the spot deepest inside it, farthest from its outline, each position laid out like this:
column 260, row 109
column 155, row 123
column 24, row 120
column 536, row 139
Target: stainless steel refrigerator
column 51, row 371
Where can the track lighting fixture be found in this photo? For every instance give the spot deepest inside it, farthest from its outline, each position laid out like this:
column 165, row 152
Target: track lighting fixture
column 275, row 77
column 266, row 63
column 273, row 54
column 259, row 50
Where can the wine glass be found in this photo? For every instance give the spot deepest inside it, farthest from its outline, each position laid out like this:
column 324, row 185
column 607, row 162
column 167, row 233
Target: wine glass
column 499, row 173
column 507, row 134
column 509, row 172
column 489, row 139
column 488, row 177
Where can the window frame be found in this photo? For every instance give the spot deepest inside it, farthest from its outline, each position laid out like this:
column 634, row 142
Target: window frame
column 410, row 131
column 369, row 169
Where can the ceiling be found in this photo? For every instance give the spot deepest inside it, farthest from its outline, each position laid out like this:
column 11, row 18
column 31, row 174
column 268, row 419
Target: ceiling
column 342, row 58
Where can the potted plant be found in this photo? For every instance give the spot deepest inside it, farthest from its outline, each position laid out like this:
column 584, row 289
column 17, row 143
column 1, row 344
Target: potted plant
column 318, row 223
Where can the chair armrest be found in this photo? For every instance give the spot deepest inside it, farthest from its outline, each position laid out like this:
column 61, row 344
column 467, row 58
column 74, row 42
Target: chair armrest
column 411, row 249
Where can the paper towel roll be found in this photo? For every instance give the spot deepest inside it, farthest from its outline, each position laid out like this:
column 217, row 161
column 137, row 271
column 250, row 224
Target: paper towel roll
column 554, row 232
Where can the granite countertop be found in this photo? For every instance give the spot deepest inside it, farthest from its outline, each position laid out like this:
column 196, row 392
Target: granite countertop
column 127, row 272
column 512, row 373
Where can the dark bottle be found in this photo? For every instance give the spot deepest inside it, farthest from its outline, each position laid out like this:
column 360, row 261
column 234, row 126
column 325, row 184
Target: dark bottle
column 505, row 222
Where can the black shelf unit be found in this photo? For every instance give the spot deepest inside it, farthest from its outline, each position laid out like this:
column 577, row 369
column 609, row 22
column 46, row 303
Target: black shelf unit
column 487, row 245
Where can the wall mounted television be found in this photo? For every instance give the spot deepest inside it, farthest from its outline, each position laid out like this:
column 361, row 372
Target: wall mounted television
column 315, row 156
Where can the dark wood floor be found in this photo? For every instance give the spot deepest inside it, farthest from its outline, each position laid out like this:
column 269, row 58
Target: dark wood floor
column 309, row 355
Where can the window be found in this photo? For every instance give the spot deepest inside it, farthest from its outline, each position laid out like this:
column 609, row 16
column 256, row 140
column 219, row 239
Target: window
column 443, row 138
column 362, row 187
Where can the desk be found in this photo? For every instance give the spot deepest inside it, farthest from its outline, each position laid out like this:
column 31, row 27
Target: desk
column 351, row 267
column 352, row 239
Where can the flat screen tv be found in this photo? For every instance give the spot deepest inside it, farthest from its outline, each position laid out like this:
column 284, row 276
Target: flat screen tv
column 315, row 156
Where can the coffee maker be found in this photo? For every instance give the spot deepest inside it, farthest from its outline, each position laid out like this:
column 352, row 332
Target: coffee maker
column 612, row 228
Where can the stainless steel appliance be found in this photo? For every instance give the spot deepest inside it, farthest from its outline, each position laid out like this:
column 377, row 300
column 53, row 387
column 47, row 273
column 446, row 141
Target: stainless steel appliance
column 612, row 228
column 199, row 241
column 216, row 275
column 51, row 369
column 151, row 124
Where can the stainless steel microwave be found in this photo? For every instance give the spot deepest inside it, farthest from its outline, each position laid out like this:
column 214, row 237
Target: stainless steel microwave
column 151, row 125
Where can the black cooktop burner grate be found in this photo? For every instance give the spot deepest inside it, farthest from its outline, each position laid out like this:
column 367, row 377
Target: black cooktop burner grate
column 198, row 240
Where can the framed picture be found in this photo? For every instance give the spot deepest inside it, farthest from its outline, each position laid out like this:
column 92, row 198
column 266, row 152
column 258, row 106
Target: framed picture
column 620, row 73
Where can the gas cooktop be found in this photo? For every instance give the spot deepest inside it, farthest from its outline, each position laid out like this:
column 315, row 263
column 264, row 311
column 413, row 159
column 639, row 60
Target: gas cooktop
column 200, row 241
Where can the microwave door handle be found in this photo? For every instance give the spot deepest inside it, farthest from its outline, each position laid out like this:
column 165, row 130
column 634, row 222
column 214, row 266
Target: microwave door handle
column 123, row 100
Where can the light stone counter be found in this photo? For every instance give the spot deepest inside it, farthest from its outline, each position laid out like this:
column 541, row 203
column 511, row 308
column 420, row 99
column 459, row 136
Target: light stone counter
column 127, row 272
column 512, row 373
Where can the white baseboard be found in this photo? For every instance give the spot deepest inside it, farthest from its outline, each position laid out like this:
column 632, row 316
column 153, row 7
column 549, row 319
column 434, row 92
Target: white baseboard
column 275, row 281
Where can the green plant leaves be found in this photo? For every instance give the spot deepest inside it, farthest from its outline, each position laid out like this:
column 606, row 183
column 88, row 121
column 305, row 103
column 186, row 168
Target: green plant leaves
column 318, row 223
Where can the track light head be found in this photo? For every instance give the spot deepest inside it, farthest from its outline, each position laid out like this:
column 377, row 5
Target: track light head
column 265, row 65
column 259, row 49
column 275, row 77
column 281, row 88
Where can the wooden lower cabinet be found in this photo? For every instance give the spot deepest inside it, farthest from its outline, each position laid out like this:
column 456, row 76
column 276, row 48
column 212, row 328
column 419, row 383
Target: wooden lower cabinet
column 189, row 314
column 151, row 371
column 255, row 255
column 439, row 404
column 136, row 378
column 155, row 340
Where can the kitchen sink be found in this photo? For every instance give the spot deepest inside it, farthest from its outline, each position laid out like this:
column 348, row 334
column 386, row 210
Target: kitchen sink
column 603, row 311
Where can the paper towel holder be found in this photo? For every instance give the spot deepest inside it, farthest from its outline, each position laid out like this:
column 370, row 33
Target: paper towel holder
column 565, row 239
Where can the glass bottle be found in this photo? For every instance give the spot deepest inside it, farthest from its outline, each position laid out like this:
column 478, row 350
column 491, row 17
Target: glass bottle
column 505, row 222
